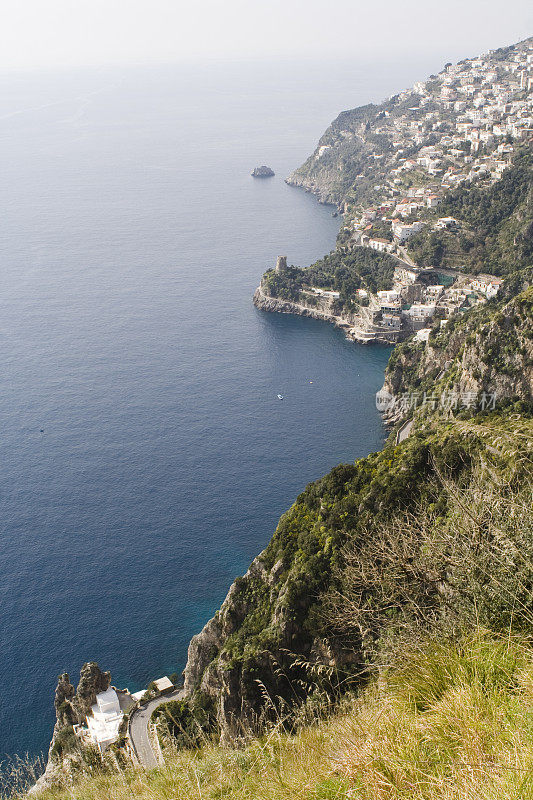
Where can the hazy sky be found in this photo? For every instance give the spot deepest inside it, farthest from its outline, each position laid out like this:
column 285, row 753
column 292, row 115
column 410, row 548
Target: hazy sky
column 51, row 33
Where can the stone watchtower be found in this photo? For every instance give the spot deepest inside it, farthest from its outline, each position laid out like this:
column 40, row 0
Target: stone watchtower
column 281, row 263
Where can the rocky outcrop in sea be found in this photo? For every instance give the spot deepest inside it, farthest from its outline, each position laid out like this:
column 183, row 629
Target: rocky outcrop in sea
column 263, row 172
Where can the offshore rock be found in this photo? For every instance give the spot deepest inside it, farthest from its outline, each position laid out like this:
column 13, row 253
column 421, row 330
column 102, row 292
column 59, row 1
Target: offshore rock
column 64, row 696
column 73, row 706
column 262, row 172
column 92, row 682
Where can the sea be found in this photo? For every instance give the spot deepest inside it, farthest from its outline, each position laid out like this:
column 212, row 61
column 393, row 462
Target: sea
column 145, row 456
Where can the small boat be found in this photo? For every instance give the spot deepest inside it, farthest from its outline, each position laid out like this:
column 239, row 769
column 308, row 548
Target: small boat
column 280, row 397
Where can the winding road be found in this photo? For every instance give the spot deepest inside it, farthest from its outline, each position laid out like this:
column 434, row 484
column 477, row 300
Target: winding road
column 138, row 728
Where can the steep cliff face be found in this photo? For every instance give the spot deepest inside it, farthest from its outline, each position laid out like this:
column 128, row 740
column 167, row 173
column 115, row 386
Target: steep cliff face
column 212, row 668
column 274, row 643
column 73, row 705
column 273, row 635
column 67, row 755
column 489, row 351
column 323, row 309
column 243, row 661
column 342, row 152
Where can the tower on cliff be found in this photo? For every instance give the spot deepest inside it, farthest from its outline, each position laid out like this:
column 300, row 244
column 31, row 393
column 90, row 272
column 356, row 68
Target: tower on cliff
column 281, row 263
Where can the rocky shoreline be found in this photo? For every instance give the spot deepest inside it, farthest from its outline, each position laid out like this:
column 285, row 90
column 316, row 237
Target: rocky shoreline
column 274, row 304
column 323, row 194
column 352, row 324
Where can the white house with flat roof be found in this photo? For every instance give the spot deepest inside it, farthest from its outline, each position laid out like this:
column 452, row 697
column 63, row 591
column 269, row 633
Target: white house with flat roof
column 406, row 274
column 381, row 245
column 435, row 291
column 104, row 722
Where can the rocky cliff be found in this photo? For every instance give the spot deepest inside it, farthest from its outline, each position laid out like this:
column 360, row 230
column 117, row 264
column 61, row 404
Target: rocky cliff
column 358, row 325
column 488, row 352
column 67, row 755
column 323, row 310
column 237, row 675
column 279, row 641
column 273, row 632
column 342, row 153
column 258, row 656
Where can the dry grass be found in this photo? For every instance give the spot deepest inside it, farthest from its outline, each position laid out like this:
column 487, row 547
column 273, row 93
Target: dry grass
column 455, row 723
column 452, row 722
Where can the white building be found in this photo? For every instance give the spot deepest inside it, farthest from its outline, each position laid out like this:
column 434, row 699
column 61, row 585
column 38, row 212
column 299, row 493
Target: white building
column 486, row 284
column 420, row 313
column 393, row 321
column 163, row 684
column 446, row 223
column 422, row 335
column 381, row 245
column 104, row 723
column 325, row 293
column 406, row 274
column 389, row 300
column 435, row 291
column 402, row 232
column 493, row 288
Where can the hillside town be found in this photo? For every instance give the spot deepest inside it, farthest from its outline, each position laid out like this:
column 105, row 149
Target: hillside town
column 462, row 126
column 389, row 168
column 420, row 295
column 458, row 127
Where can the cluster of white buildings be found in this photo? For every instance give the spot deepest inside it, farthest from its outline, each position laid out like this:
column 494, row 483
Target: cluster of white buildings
column 459, row 126
column 462, row 125
column 102, row 724
column 414, row 301
column 477, row 101
column 487, row 285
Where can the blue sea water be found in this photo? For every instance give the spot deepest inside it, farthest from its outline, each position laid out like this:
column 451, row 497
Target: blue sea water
column 145, row 458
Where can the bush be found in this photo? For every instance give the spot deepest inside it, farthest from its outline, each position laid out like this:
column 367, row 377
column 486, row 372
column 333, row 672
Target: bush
column 185, row 723
column 65, row 741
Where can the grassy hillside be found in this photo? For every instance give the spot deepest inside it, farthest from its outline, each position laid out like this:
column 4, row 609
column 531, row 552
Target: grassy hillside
column 453, row 722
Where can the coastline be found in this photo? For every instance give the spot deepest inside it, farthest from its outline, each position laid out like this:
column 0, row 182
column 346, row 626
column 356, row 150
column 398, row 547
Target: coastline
column 219, row 627
column 265, row 302
column 201, row 670
column 353, row 325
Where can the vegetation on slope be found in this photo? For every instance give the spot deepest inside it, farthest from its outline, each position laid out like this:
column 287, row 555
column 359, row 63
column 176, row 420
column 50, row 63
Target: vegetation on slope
column 489, row 350
column 451, row 721
column 432, row 538
column 287, row 630
column 341, row 272
column 496, row 234
column 358, row 159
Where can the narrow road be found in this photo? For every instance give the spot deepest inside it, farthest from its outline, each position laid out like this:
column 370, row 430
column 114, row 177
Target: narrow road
column 404, row 431
column 139, row 728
